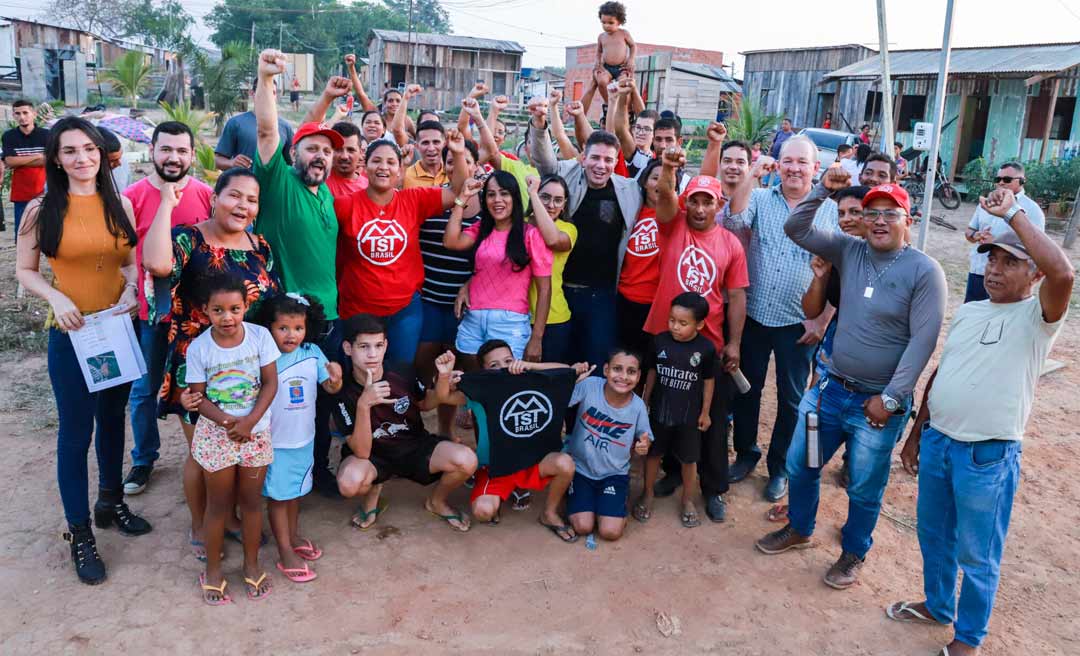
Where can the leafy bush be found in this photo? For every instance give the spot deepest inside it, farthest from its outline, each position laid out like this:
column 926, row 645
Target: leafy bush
column 750, row 123
column 129, row 75
column 183, row 113
column 1048, row 182
column 979, row 178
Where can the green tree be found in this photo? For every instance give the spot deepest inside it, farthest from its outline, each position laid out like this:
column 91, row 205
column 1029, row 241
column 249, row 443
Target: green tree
column 750, row 122
column 129, row 75
column 223, row 80
column 428, row 15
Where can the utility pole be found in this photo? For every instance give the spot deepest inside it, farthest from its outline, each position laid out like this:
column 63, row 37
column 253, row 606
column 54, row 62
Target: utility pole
column 886, row 84
column 939, row 113
column 252, row 35
column 280, row 31
column 412, row 48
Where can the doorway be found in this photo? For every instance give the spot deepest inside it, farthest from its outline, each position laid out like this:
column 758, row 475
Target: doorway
column 974, row 116
column 824, row 106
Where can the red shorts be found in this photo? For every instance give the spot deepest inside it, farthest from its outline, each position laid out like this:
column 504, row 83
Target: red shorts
column 503, row 486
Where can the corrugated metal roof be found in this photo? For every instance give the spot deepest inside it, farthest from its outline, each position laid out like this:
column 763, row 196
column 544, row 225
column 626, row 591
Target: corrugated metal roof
column 449, row 40
column 729, row 84
column 1002, row 61
column 854, row 46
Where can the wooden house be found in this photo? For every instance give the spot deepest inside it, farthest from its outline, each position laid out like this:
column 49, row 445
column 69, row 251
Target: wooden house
column 445, row 65
column 697, row 93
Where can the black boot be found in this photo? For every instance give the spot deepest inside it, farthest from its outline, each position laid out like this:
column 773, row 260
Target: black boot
column 84, row 554
column 111, row 509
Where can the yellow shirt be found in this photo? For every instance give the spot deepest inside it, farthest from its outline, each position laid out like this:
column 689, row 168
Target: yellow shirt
column 560, row 310
column 416, row 176
column 86, row 243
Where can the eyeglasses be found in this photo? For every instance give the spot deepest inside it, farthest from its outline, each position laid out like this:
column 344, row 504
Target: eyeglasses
column 1007, row 179
column 643, row 129
column 890, row 216
column 554, row 201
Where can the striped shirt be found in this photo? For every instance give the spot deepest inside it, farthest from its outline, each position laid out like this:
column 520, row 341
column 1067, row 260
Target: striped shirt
column 445, row 271
column 779, row 268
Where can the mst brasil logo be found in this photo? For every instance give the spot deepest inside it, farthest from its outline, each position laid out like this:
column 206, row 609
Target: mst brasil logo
column 381, row 242
column 525, row 414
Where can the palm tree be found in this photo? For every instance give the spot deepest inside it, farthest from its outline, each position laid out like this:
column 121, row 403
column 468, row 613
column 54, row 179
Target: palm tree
column 223, row 81
column 750, row 122
column 129, row 75
column 183, row 113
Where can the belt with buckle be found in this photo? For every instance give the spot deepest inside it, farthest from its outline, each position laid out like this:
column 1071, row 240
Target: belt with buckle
column 853, row 386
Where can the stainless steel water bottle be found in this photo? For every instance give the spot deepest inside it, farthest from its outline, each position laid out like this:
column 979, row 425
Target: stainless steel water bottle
column 813, row 446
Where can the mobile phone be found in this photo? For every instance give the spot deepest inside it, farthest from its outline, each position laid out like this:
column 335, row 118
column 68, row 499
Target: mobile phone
column 349, row 103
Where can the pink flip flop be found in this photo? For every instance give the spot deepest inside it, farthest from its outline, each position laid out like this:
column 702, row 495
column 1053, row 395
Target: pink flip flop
column 308, row 551
column 298, row 575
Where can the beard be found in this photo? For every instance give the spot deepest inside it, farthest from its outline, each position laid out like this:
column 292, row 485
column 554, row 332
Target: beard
column 312, row 178
column 168, row 177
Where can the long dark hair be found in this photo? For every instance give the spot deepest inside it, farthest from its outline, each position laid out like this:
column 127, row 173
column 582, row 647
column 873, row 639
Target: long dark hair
column 643, row 177
column 49, row 224
column 515, row 241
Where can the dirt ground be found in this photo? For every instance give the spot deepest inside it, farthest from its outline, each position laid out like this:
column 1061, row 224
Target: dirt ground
column 414, row 586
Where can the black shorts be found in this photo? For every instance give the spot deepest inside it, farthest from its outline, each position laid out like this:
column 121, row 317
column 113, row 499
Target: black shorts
column 294, row 96
column 684, row 442
column 408, row 457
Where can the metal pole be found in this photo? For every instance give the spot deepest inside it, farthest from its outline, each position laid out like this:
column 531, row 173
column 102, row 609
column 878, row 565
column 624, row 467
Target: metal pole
column 412, row 48
column 939, row 114
column 886, row 83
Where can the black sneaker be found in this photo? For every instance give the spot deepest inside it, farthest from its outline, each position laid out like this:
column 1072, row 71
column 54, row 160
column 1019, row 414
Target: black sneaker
column 715, row 508
column 106, row 514
column 84, row 555
column 137, row 479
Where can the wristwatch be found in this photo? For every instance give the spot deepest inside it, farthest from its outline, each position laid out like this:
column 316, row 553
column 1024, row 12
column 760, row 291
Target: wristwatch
column 459, row 202
column 1012, row 212
column 891, row 404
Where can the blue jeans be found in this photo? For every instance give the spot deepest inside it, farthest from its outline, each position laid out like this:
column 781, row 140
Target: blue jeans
column 793, row 361
column 403, row 333
column 154, row 340
column 20, row 207
column 79, row 411
column 965, row 500
column 976, row 289
column 592, row 323
column 841, row 421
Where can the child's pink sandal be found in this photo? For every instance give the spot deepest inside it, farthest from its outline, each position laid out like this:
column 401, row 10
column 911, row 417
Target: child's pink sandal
column 298, row 575
column 308, row 551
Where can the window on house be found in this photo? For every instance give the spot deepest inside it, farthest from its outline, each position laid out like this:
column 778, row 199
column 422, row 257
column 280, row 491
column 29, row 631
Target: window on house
column 765, row 98
column 1060, row 124
column 872, row 112
column 498, row 84
column 912, row 110
column 1061, row 127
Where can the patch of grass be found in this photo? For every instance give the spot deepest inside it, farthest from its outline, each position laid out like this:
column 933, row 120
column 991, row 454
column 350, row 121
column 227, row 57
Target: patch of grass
column 35, row 399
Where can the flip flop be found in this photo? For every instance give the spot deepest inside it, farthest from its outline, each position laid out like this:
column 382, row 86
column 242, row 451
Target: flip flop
column 559, row 530
column 308, row 551
column 690, row 519
column 777, row 513
column 220, row 589
column 641, row 512
column 897, row 611
column 361, row 516
column 522, row 499
column 297, row 575
column 253, row 592
column 198, row 549
column 456, row 517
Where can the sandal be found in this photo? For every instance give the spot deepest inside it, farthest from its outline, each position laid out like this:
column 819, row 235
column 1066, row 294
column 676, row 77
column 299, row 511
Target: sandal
column 690, row 519
column 901, row 608
column 361, row 516
column 456, row 517
column 522, row 499
column 253, row 593
column 308, row 551
column 563, row 531
column 777, row 513
column 641, row 512
column 198, row 549
column 220, row 589
column 298, row 575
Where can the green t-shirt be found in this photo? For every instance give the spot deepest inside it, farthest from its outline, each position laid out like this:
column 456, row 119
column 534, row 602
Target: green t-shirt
column 302, row 231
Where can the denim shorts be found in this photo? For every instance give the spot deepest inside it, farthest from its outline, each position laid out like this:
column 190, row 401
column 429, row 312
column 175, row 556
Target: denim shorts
column 478, row 326
column 440, row 324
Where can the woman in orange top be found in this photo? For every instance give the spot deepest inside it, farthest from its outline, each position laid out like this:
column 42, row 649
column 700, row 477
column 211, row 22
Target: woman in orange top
column 84, row 227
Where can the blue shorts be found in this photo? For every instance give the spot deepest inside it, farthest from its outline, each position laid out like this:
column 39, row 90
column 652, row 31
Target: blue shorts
column 604, row 498
column 440, row 324
column 289, row 476
column 478, row 326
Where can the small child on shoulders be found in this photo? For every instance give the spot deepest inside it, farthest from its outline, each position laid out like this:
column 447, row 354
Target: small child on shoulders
column 679, row 389
column 615, row 48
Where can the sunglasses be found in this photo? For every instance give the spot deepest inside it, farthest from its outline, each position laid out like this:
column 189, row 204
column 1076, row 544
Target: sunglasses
column 1007, row 179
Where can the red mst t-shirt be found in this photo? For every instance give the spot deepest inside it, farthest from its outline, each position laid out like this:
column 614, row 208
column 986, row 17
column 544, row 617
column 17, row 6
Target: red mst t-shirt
column 704, row 262
column 378, row 256
column 641, row 264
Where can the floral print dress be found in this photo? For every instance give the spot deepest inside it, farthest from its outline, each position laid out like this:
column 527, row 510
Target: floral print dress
column 194, row 261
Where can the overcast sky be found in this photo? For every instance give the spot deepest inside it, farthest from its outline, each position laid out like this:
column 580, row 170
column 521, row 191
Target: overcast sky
column 546, row 27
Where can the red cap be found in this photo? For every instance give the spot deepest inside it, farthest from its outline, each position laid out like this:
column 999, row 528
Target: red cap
column 308, row 129
column 893, row 192
column 705, row 184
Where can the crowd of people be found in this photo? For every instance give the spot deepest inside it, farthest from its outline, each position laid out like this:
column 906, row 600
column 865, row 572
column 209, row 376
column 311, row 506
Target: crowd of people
column 574, row 310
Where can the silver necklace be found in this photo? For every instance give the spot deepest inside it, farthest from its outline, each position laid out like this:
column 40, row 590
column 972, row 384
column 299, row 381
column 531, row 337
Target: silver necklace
column 870, row 281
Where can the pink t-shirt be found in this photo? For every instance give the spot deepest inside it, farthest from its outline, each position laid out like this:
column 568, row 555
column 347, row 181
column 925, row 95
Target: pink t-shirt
column 341, row 187
column 194, row 207
column 495, row 285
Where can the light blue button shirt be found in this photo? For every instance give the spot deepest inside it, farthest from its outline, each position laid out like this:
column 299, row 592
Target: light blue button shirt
column 779, row 269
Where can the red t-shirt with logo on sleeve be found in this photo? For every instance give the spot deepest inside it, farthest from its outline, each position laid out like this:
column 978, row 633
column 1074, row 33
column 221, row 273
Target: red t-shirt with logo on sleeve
column 379, row 266
column 641, row 263
column 706, row 262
